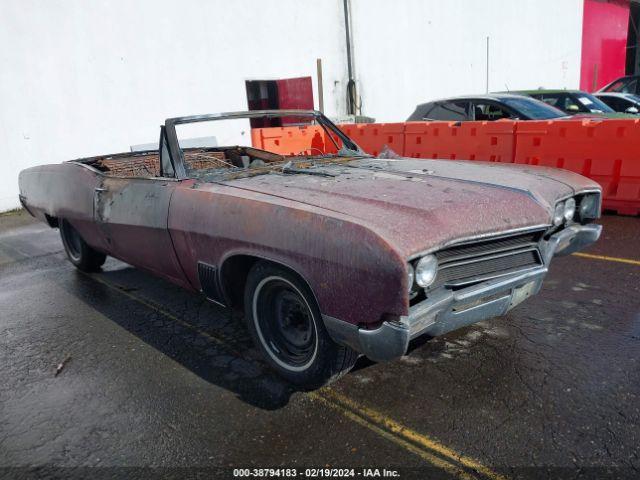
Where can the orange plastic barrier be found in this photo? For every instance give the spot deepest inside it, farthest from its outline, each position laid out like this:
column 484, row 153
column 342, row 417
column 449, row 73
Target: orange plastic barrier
column 308, row 140
column 606, row 151
column 374, row 137
column 490, row 141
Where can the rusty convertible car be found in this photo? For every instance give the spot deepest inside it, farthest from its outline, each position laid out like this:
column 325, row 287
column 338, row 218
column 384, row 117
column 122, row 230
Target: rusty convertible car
column 329, row 255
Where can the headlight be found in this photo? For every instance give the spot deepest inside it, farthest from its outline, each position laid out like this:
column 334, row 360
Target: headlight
column 558, row 214
column 569, row 209
column 588, row 209
column 426, row 270
column 411, row 277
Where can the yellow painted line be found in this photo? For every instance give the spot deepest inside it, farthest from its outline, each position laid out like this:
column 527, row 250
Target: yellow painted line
column 628, row 261
column 438, row 462
column 382, row 425
column 409, row 434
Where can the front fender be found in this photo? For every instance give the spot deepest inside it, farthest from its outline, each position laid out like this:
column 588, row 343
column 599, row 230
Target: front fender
column 355, row 274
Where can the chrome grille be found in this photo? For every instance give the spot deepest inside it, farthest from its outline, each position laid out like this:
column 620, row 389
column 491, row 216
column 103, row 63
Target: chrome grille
column 488, row 246
column 473, row 262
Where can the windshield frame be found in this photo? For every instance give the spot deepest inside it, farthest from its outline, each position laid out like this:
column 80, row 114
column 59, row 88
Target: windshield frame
column 176, row 155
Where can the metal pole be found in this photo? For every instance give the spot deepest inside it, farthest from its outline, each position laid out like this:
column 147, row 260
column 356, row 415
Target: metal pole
column 320, row 92
column 350, row 82
column 487, row 86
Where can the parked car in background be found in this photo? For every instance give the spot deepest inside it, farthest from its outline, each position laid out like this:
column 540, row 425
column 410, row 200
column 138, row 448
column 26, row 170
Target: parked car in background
column 485, row 107
column 574, row 102
column 329, row 255
column 628, row 84
column 621, row 102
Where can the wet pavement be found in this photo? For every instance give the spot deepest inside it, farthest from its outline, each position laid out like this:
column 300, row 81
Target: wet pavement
column 159, row 378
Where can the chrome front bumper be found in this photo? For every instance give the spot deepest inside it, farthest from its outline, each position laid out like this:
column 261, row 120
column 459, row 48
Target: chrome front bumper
column 446, row 310
column 570, row 240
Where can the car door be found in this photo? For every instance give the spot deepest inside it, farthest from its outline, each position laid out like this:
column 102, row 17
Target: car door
column 132, row 214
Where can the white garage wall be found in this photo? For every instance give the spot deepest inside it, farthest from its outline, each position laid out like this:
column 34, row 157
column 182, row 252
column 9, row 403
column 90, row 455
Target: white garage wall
column 82, row 78
column 411, row 51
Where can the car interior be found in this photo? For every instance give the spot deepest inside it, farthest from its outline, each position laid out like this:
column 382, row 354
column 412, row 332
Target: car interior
column 466, row 110
column 489, row 112
column 147, row 164
column 562, row 101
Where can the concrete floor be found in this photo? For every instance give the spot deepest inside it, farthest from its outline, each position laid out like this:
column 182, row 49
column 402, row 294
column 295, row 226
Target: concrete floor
column 161, row 379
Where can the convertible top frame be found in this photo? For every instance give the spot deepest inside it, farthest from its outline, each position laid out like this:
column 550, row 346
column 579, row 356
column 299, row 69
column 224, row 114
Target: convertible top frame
column 176, row 157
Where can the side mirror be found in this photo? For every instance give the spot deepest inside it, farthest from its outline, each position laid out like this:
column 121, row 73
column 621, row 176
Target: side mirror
column 573, row 109
column 633, row 110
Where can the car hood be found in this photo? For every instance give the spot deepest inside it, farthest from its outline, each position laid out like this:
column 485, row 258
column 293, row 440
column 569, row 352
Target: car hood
column 422, row 205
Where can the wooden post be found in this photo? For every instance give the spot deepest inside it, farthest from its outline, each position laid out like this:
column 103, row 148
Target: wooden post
column 320, row 92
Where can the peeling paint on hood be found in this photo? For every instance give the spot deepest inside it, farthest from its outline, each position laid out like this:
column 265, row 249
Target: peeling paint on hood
column 416, row 212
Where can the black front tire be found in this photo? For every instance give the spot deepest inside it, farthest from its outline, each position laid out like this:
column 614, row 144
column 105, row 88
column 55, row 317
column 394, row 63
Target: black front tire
column 78, row 251
column 286, row 325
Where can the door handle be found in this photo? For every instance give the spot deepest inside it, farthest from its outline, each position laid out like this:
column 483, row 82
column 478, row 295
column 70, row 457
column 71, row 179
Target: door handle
column 100, row 189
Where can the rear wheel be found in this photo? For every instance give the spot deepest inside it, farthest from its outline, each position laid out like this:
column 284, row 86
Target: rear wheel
column 286, row 324
column 78, row 251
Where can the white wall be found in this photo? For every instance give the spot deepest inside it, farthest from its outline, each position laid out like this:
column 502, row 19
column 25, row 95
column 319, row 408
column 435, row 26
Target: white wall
column 411, row 51
column 82, row 78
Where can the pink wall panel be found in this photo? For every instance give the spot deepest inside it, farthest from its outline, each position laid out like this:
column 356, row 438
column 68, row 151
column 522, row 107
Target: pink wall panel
column 604, row 42
column 295, row 93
